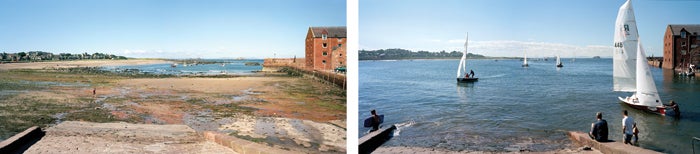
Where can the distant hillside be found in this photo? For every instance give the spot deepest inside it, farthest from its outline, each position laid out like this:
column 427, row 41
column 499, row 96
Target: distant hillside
column 385, row 54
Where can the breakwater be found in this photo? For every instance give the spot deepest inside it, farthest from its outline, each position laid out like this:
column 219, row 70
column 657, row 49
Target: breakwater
column 295, row 67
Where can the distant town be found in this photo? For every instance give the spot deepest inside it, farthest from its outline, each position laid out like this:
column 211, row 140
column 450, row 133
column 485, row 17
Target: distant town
column 37, row 56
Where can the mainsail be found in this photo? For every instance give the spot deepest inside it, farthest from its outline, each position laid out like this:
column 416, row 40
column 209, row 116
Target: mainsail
column 558, row 60
column 646, row 88
column 525, row 59
column 625, row 43
column 463, row 61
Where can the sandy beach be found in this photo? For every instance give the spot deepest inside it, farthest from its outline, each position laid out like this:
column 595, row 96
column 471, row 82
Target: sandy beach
column 79, row 63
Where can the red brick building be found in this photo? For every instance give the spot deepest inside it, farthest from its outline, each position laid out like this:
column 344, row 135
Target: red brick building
column 326, row 48
column 681, row 46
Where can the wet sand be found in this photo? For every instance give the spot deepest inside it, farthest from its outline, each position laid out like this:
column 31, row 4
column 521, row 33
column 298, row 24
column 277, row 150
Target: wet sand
column 79, row 63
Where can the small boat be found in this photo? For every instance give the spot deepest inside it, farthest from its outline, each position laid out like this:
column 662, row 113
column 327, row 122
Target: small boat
column 463, row 67
column 463, row 80
column 559, row 64
column 690, row 72
column 630, row 74
column 646, row 96
column 525, row 61
column 173, row 65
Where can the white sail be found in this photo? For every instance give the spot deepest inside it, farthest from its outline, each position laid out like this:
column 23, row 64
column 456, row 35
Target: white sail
column 525, row 59
column 463, row 62
column 625, row 43
column 646, row 88
column 558, row 60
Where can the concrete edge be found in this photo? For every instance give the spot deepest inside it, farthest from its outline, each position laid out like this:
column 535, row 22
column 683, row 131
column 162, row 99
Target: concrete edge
column 21, row 141
column 242, row 146
column 582, row 139
column 373, row 140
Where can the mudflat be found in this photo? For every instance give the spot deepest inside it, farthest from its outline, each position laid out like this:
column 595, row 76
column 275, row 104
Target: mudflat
column 285, row 112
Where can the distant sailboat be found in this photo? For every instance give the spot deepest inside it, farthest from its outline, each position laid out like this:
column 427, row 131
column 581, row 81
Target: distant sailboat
column 463, row 66
column 630, row 70
column 559, row 62
column 525, row 61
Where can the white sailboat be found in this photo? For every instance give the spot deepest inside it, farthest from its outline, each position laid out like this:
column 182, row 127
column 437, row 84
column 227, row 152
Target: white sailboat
column 525, row 61
column 630, row 65
column 463, row 66
column 559, row 62
column 624, row 55
column 646, row 96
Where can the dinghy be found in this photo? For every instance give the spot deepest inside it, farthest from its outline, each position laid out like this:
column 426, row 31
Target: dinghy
column 463, row 67
column 525, row 61
column 559, row 62
column 630, row 70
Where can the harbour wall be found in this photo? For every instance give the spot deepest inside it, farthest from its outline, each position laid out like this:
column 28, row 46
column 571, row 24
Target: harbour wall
column 295, row 67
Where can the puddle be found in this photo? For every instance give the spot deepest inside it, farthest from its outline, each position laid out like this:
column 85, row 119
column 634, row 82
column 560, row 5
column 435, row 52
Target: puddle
column 59, row 117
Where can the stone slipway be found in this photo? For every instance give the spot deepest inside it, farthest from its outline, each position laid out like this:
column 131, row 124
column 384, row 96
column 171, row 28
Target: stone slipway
column 86, row 137
column 582, row 139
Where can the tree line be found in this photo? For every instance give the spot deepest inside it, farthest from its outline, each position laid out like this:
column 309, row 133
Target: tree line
column 34, row 56
column 385, row 54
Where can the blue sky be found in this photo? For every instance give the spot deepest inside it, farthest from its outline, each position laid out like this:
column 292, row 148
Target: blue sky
column 581, row 28
column 166, row 28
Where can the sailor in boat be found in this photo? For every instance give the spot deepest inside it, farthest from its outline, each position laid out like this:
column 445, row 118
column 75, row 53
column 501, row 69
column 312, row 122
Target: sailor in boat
column 471, row 73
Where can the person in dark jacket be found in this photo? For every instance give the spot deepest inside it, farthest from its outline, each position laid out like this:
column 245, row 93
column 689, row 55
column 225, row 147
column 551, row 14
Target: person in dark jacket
column 599, row 129
column 375, row 119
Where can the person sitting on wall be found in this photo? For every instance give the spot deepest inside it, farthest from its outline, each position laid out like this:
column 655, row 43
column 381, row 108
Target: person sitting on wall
column 599, row 129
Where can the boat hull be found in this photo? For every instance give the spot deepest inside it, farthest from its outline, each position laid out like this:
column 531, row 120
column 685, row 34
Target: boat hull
column 657, row 110
column 560, row 65
column 467, row 79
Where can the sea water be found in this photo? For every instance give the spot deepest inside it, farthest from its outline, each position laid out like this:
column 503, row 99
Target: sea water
column 514, row 108
column 209, row 67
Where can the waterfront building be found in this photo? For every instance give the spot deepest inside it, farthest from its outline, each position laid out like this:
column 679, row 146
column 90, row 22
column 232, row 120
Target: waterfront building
column 681, row 46
column 326, row 48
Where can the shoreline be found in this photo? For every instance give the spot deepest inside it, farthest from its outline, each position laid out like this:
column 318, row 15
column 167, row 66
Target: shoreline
column 420, row 150
column 80, row 63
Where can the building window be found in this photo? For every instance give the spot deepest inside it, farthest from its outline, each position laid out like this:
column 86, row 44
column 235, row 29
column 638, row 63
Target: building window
column 682, row 43
column 341, row 63
column 324, row 36
column 325, row 45
column 682, row 34
column 325, row 53
column 340, row 55
column 340, row 44
column 340, row 39
column 324, row 61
